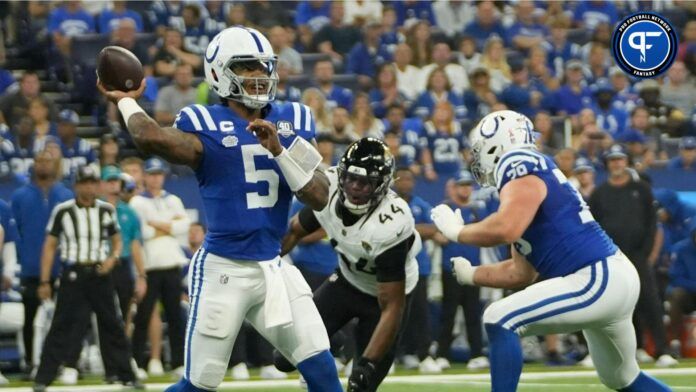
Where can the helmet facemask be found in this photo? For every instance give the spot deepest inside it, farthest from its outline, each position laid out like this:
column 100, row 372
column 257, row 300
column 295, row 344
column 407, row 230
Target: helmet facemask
column 262, row 88
column 483, row 173
column 359, row 190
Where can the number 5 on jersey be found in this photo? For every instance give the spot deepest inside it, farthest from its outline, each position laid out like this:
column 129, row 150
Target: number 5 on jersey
column 252, row 175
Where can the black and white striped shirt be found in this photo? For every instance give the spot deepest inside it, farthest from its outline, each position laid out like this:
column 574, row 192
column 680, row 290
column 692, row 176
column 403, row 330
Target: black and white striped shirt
column 84, row 232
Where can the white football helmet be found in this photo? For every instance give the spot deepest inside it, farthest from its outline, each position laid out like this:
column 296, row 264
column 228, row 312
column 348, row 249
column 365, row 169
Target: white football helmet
column 496, row 134
column 233, row 50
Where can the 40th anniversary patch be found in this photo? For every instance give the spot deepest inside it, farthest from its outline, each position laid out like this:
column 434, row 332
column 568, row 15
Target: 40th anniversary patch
column 644, row 44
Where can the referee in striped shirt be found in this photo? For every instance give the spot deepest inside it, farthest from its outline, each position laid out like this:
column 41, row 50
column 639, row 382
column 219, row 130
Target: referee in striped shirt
column 87, row 232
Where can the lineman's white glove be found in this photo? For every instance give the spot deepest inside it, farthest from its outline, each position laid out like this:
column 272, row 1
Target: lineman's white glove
column 463, row 270
column 449, row 222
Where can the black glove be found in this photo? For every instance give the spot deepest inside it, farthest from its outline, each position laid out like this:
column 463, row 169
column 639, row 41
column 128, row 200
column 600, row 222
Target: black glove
column 362, row 376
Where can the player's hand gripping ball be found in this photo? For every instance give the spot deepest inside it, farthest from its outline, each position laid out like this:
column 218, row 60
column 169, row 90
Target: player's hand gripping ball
column 362, row 376
column 449, row 222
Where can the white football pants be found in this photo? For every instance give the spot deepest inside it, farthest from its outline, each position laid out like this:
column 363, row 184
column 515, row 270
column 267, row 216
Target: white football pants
column 225, row 292
column 598, row 299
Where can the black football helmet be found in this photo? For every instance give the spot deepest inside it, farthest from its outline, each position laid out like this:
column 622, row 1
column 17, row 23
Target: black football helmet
column 365, row 172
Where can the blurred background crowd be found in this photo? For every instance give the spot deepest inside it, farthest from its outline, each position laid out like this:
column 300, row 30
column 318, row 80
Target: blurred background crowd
column 417, row 74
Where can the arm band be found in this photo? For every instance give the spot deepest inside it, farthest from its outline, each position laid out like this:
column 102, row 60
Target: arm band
column 298, row 163
column 128, row 107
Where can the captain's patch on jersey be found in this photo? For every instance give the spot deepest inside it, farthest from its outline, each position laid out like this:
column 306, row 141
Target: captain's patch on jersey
column 285, row 128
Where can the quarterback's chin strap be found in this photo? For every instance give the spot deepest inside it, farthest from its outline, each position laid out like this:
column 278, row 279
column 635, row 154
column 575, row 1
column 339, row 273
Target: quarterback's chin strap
column 298, row 163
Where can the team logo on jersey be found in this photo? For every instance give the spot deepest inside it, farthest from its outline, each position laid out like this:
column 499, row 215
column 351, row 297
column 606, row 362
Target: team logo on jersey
column 224, row 279
column 285, row 128
column 644, row 45
column 230, row 141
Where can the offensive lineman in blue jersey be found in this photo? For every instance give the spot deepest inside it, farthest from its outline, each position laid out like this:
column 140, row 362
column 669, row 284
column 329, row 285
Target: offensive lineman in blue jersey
column 250, row 156
column 590, row 285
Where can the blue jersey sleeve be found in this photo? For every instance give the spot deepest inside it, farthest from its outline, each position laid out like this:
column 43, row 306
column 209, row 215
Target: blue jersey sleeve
column 8, row 223
column 517, row 164
column 188, row 120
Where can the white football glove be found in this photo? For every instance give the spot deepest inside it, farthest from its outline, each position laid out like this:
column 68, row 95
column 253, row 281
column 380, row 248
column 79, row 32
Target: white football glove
column 449, row 222
column 463, row 270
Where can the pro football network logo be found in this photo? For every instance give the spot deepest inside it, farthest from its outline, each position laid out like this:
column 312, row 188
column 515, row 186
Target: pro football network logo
column 644, row 45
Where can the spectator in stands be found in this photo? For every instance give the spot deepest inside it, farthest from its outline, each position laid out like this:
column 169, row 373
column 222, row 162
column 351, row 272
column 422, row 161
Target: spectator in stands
column 447, row 144
column 417, row 336
column 163, row 218
column 520, row 95
column 66, row 21
column 109, row 20
column 438, row 89
column 418, row 38
column 642, row 157
column 284, row 92
column 108, row 150
column 312, row 15
column 548, row 140
column 316, row 101
column 540, row 73
column 409, row 131
column 236, row 16
column 31, row 207
column 557, row 46
column 678, row 89
column 493, row 59
column 391, row 36
column 674, row 217
column 32, row 31
column 452, row 16
column 405, row 72
column 197, row 33
column 15, row 105
column 565, row 160
column 682, row 289
column 358, row 12
column 336, row 96
column 124, row 35
column 589, row 14
column 39, row 112
column 76, row 151
column 687, row 155
column 624, row 207
column 687, row 41
column 598, row 62
column 591, row 142
column 366, row 56
column 610, row 118
column 480, row 98
column 278, row 37
column 337, row 37
column 664, row 117
column 133, row 166
column 572, row 96
column 455, row 295
column 364, row 122
column 486, row 24
column 266, row 14
column 342, row 134
column 584, row 177
column 625, row 97
column 172, row 53
column 410, row 11
column 442, row 57
column 401, row 157
column 640, row 121
column 526, row 33
column 24, row 147
column 387, row 93
column 176, row 96
column 468, row 57
column 164, row 14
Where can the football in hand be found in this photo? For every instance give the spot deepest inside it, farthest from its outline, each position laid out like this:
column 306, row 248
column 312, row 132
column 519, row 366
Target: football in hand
column 119, row 69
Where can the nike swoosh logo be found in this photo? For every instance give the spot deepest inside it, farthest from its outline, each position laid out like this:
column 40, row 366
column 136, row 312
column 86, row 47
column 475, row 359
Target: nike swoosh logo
column 399, row 233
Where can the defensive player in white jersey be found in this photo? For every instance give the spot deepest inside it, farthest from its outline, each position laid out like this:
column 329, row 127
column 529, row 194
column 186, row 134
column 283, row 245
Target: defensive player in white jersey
column 373, row 232
column 250, row 155
column 589, row 284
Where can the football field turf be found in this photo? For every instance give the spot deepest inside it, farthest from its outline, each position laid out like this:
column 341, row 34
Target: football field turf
column 534, row 378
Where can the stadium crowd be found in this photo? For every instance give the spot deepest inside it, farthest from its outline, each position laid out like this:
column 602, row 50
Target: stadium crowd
column 417, row 74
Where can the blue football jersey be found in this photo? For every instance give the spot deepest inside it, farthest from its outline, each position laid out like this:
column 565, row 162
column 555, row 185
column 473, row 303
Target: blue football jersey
column 563, row 236
column 245, row 196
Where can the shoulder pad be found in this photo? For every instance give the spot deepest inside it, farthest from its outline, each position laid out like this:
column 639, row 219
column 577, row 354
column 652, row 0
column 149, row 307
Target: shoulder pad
column 517, row 164
column 195, row 118
column 393, row 220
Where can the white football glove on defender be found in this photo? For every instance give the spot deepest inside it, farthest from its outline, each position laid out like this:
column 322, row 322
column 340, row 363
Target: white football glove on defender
column 449, row 222
column 463, row 270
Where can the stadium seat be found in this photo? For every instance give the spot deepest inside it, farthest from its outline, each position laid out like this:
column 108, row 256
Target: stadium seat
column 300, row 81
column 84, row 48
column 309, row 59
column 349, row 81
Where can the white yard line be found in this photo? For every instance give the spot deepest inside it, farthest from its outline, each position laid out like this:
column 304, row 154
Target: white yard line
column 472, row 379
